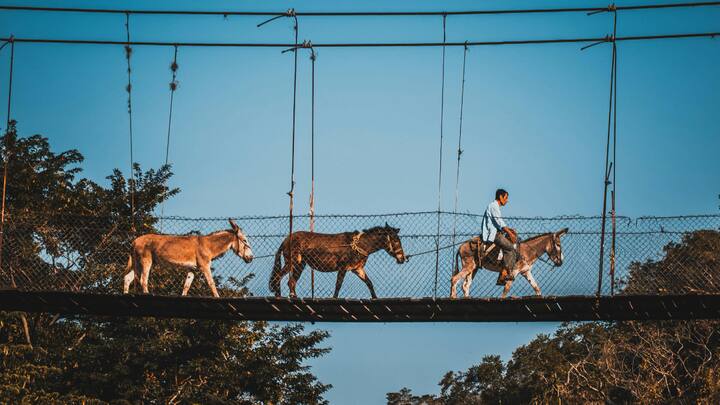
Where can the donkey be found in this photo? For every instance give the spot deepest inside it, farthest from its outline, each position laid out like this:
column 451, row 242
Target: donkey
column 186, row 251
column 341, row 252
column 474, row 256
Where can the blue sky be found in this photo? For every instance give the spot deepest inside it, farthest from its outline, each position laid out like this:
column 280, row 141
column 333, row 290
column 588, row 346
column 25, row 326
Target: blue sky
column 535, row 123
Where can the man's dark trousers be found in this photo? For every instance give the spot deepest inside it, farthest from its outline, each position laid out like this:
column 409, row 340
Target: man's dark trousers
column 509, row 254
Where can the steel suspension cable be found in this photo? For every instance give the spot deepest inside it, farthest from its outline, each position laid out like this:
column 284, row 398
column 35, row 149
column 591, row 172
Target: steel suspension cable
column 128, row 88
column 442, row 116
column 459, row 149
column 226, row 13
column 592, row 40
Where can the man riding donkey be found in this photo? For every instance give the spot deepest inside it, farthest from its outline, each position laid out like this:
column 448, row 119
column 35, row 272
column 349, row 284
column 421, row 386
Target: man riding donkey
column 517, row 257
column 494, row 230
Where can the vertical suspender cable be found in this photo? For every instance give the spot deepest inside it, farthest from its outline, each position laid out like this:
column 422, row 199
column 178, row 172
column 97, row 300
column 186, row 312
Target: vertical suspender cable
column 614, row 161
column 313, row 56
column 291, row 13
column 128, row 88
column 8, row 147
column 292, row 157
column 459, row 149
column 442, row 116
column 173, row 86
column 608, row 166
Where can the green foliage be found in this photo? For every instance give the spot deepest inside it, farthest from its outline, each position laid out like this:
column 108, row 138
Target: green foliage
column 62, row 228
column 622, row 362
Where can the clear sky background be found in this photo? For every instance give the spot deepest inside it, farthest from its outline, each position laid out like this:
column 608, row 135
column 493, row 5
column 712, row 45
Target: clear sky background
column 535, row 123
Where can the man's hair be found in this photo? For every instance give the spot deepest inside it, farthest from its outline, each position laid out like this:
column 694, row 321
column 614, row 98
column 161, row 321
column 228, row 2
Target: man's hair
column 500, row 192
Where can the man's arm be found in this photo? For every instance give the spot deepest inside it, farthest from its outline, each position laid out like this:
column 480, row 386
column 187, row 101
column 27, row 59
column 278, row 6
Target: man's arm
column 500, row 224
column 496, row 218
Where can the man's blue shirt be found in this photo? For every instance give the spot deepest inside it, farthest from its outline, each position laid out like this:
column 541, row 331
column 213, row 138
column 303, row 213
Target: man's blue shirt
column 492, row 221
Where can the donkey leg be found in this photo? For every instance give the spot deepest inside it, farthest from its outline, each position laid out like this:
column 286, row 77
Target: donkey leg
column 188, row 281
column 464, row 273
column 466, row 285
column 145, row 263
column 129, row 276
column 276, row 277
column 339, row 282
column 455, row 279
column 209, row 278
column 297, row 269
column 528, row 275
column 127, row 281
column 508, row 284
column 360, row 272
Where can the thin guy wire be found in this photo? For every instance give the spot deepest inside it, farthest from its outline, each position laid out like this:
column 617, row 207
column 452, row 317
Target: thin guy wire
column 442, row 115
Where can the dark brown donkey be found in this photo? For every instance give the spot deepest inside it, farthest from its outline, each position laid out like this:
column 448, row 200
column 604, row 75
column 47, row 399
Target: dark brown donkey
column 194, row 251
column 339, row 252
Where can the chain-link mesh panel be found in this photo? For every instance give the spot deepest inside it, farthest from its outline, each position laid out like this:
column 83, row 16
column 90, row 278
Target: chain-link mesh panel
column 652, row 256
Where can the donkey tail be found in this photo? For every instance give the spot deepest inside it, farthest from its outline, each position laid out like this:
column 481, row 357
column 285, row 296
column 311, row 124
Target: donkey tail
column 129, row 263
column 456, row 270
column 274, row 282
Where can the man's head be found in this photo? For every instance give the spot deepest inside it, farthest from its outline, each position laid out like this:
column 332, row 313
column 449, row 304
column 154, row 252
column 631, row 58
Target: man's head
column 502, row 196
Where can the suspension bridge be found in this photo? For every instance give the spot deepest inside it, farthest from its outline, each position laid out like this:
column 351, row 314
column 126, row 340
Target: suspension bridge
column 637, row 268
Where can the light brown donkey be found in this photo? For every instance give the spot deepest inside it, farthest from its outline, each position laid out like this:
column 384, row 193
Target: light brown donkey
column 186, row 251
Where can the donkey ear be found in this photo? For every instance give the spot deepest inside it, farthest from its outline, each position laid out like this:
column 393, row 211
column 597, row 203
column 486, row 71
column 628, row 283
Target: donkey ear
column 235, row 227
column 386, row 225
column 562, row 232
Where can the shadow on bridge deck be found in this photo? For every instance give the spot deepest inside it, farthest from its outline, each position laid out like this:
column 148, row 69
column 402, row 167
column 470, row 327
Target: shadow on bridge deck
column 566, row 308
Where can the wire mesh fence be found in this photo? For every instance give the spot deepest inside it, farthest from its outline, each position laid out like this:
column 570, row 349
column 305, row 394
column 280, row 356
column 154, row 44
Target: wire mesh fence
column 653, row 255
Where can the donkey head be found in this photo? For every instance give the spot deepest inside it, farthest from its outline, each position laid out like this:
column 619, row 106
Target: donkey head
column 393, row 246
column 555, row 248
column 240, row 245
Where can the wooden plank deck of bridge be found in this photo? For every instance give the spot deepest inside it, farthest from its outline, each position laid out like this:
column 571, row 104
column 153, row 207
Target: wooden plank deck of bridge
column 523, row 309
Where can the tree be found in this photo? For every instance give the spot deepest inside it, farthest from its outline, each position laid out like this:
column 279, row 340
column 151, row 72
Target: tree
column 617, row 362
column 61, row 234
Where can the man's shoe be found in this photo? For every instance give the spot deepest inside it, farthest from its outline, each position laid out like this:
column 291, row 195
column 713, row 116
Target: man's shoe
column 501, row 278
